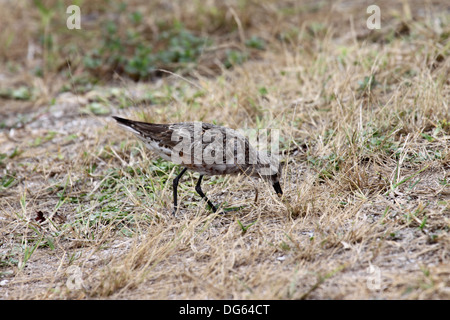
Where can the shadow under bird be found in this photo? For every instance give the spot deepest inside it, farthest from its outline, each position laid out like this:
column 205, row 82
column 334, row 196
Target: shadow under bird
column 207, row 149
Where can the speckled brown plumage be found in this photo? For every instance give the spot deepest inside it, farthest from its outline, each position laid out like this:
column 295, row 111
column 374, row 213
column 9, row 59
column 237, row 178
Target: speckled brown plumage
column 205, row 148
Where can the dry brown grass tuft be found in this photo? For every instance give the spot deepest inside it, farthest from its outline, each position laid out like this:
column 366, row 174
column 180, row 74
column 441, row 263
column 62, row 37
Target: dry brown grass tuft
column 85, row 210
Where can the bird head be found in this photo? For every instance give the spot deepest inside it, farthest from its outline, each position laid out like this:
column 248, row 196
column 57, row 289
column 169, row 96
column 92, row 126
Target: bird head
column 271, row 172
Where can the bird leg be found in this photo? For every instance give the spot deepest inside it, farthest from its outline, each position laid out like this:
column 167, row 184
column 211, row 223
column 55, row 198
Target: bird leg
column 175, row 187
column 198, row 188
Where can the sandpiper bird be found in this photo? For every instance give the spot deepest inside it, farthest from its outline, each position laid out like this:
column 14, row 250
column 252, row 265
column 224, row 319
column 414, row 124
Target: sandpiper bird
column 207, row 149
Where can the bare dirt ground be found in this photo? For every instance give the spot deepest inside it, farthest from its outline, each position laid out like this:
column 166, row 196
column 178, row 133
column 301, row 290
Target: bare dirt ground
column 85, row 209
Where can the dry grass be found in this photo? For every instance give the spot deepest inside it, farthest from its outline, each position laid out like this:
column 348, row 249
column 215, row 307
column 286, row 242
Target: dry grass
column 85, row 210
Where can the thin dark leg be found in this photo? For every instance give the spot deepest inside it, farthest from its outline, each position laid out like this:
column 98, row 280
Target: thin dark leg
column 198, row 188
column 175, row 187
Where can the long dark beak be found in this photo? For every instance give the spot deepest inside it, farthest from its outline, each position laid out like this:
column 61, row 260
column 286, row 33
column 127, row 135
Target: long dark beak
column 277, row 188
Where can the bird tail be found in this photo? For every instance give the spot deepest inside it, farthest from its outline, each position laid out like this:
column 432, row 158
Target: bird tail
column 127, row 124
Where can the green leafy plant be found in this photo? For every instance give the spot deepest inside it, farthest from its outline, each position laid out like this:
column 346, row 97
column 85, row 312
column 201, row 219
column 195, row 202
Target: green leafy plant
column 245, row 228
column 136, row 55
